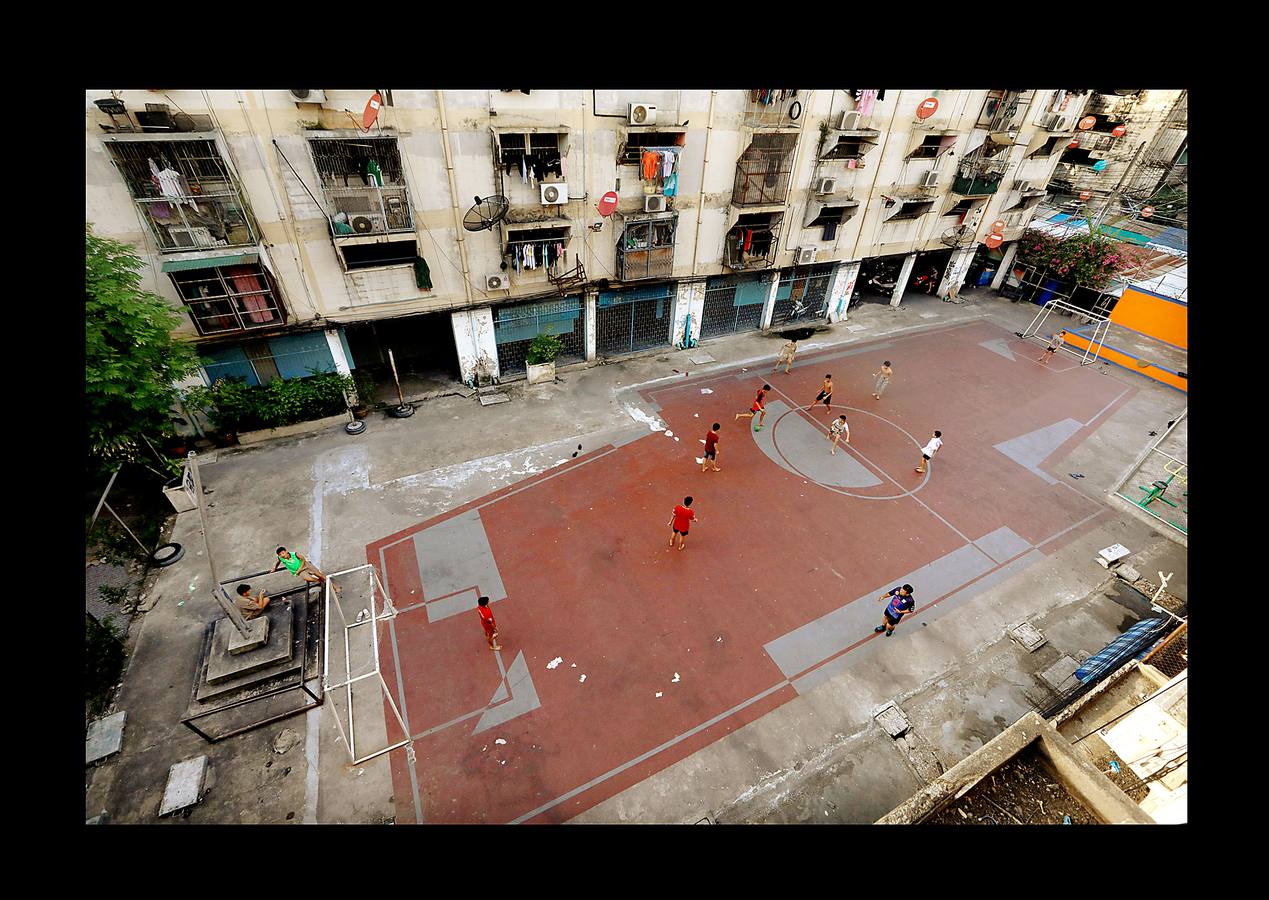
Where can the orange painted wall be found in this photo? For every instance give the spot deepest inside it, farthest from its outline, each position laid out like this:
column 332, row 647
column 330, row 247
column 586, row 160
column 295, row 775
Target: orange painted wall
column 1130, row 363
column 1153, row 316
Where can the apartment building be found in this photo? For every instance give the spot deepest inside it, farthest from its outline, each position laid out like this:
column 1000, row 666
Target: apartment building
column 316, row 229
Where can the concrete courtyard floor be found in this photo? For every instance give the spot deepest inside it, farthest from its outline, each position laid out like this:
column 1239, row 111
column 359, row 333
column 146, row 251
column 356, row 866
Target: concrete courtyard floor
column 814, row 756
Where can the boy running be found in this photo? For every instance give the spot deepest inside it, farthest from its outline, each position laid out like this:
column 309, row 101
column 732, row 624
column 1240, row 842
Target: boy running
column 825, row 394
column 837, row 429
column 680, row 520
column 928, row 451
column 901, row 603
column 711, row 449
column 787, row 352
column 883, row 379
column 1054, row 343
column 759, row 407
column 488, row 623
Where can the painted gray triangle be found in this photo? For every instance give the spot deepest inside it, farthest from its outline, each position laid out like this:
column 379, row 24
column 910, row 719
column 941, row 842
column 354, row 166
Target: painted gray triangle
column 806, row 446
column 524, row 697
column 1034, row 447
column 1000, row 346
column 500, row 694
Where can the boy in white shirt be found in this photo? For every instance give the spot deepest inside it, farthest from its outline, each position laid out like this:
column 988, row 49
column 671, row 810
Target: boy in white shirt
column 928, row 451
column 837, row 429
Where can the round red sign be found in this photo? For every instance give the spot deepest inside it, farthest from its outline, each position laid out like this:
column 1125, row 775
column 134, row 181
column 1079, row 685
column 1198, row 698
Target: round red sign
column 993, row 240
column 998, row 225
column 1147, row 212
column 1087, row 122
column 1073, row 144
column 1119, row 131
column 372, row 111
column 927, row 107
column 608, row 203
column 1084, row 195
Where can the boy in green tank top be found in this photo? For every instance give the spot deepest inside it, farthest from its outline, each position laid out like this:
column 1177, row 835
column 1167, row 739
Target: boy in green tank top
column 300, row 567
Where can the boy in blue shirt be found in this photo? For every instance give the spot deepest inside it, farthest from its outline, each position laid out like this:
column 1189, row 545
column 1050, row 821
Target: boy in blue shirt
column 901, row 603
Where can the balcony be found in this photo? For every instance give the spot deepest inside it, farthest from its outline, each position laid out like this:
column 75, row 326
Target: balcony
column 185, row 193
column 646, row 248
column 979, row 177
column 771, row 108
column 364, row 185
column 753, row 241
column 369, row 210
column 1004, row 111
column 763, row 170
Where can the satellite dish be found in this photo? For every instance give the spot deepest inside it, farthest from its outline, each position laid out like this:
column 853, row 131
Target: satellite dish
column 371, row 111
column 362, row 225
column 927, row 107
column 486, row 213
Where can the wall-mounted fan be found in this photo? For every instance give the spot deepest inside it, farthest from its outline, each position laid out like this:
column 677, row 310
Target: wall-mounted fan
column 487, row 213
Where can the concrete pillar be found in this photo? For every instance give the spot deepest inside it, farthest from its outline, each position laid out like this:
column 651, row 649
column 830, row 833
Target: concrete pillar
column 475, row 343
column 1005, row 265
column 954, row 274
column 843, row 286
column 337, row 354
column 768, row 308
column 905, row 274
column 689, row 300
column 591, row 301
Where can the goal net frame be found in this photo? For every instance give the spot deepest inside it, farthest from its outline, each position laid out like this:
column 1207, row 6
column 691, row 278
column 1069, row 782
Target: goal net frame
column 337, row 640
column 1101, row 325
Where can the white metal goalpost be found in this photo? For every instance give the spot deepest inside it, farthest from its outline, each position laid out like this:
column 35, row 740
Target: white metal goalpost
column 352, row 621
column 1101, row 324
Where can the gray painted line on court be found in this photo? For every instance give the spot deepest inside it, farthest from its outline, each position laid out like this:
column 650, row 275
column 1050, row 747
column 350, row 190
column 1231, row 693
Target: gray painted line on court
column 821, row 638
column 524, row 696
column 454, row 558
column 599, row 779
column 999, row 346
column 1030, row 449
column 435, row 728
column 405, row 718
column 1002, row 544
column 1088, row 518
column 841, row 354
column 843, row 662
column 1106, row 407
column 807, row 452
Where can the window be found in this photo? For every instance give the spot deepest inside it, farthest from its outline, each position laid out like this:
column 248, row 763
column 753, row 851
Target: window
column 637, row 141
column 370, row 256
column 1047, row 148
column 911, row 209
column 752, row 241
column 540, row 149
column 850, row 147
column 932, row 146
column 646, row 249
column 830, row 219
column 230, row 298
column 963, row 208
column 364, row 183
column 185, row 192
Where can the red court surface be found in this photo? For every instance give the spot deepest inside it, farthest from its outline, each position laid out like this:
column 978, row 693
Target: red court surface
column 580, row 551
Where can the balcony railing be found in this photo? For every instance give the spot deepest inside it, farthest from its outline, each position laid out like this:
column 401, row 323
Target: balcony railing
column 763, row 245
column 198, row 221
column 369, row 210
column 655, row 262
column 763, row 171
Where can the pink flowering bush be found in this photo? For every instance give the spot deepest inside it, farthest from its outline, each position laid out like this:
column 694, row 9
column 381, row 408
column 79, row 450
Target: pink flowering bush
column 1083, row 259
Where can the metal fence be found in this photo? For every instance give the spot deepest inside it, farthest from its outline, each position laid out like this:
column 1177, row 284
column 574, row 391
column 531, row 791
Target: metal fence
column 260, row 365
column 634, row 319
column 802, row 295
column 516, row 326
column 733, row 304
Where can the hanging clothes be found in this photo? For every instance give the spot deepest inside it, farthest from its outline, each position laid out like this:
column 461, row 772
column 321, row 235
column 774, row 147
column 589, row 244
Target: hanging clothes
column 528, row 256
column 374, row 173
column 564, row 167
column 866, row 101
column 672, row 185
column 524, row 172
column 649, row 168
column 248, row 283
column 748, row 238
column 667, row 163
column 533, row 177
column 422, row 275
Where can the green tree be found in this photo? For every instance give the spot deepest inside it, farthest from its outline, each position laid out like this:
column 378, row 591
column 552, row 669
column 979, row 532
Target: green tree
column 131, row 359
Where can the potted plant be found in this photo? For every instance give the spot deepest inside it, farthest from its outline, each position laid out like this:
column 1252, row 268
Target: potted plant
column 365, row 390
column 543, row 350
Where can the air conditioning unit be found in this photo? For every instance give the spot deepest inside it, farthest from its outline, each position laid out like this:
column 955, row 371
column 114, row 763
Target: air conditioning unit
column 642, row 114
column 850, row 120
column 805, row 256
column 308, row 96
column 826, row 186
column 1050, row 121
column 930, row 179
column 496, row 283
column 190, row 237
column 553, row 194
column 654, row 203
column 366, row 224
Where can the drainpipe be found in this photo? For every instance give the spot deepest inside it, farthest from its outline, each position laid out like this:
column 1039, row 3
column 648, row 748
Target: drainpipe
column 453, row 197
column 700, row 200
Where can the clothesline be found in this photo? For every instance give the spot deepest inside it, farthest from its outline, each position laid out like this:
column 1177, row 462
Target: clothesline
column 532, row 255
column 660, row 169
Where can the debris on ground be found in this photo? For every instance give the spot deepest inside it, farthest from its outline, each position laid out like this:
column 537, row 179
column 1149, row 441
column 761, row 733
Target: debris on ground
column 555, row 662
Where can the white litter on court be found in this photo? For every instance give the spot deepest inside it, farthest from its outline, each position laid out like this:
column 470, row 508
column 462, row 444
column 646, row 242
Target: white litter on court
column 486, row 747
column 706, row 391
column 675, row 679
column 502, row 762
column 573, row 666
column 669, row 433
column 700, row 460
column 555, row 662
column 499, row 741
column 720, row 640
column 580, row 680
column 696, row 415
column 658, row 693
column 676, row 439
column 653, row 423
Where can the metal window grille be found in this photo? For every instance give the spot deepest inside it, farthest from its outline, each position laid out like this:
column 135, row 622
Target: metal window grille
column 1171, row 656
column 733, row 304
column 802, row 295
column 634, row 319
column 230, row 298
column 208, row 211
column 764, row 169
column 515, row 326
column 646, row 249
column 753, row 242
column 343, row 168
column 636, row 142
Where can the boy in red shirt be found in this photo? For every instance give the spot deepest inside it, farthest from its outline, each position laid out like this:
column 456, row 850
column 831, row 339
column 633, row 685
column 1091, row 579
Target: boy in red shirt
column 682, row 517
column 487, row 620
column 711, row 449
column 758, row 407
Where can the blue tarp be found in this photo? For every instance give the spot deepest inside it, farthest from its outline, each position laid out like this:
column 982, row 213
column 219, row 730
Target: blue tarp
column 1135, row 642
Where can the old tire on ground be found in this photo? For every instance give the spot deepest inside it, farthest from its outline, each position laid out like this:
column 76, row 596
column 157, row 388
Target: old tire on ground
column 167, row 554
column 401, row 412
column 356, row 427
